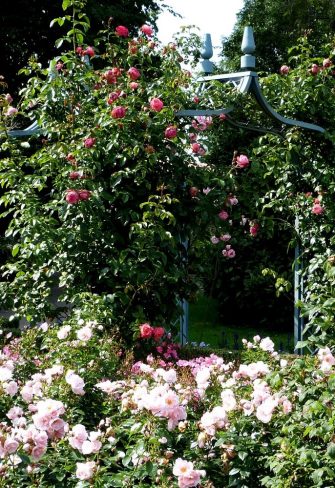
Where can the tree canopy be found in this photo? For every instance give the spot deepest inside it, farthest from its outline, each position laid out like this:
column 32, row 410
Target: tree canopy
column 277, row 25
column 25, row 28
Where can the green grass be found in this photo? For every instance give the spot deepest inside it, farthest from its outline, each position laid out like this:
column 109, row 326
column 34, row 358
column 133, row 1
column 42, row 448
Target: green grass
column 205, row 326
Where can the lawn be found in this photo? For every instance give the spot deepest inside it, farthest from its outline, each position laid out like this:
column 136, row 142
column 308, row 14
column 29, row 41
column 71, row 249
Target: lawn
column 206, row 326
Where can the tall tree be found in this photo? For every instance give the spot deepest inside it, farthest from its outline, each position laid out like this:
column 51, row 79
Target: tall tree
column 277, row 25
column 25, row 28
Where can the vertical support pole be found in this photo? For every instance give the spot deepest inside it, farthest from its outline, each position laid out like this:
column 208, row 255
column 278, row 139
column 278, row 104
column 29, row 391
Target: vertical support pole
column 184, row 322
column 298, row 292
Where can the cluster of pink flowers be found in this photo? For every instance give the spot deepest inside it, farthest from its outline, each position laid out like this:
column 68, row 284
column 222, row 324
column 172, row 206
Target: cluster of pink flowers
column 317, row 208
column 47, row 418
column 326, row 359
column 187, row 475
column 74, row 196
column 201, row 123
column 229, row 252
column 148, row 332
column 85, row 442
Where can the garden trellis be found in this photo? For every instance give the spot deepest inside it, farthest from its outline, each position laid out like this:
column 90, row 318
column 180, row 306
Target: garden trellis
column 246, row 82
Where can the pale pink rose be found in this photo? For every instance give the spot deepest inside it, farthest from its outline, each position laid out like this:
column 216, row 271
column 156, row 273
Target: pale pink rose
column 10, row 445
column 5, row 373
column 85, row 333
column 85, row 471
column 231, row 253
column 327, row 63
column 37, row 452
column 225, row 237
column 267, row 344
column 156, row 104
column 91, row 446
column 215, row 240
column 133, row 73
column 315, row 69
column 134, row 85
column 63, row 332
column 242, row 161
column 8, row 98
column 248, row 407
column 284, row 70
column 228, row 400
column 121, row 31
column 287, row 407
column 11, row 111
column 76, row 382
column 14, row 413
column 265, row 410
column 147, row 30
column 10, row 388
column 223, row 215
column 191, row 480
column 326, row 359
column 182, row 467
column 232, row 201
column 206, row 190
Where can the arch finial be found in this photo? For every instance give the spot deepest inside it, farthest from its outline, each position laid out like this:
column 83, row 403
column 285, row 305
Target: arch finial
column 248, row 60
column 206, row 53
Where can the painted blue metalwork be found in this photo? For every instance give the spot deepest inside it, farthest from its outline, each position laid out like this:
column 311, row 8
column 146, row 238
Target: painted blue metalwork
column 246, row 81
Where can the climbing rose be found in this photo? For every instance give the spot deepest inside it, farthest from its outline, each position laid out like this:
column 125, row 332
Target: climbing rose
column 254, row 228
column 122, row 31
column 171, row 132
column 118, row 112
column 284, row 70
column 74, row 175
column 156, row 104
column 242, row 161
column 158, row 333
column 327, row 63
column 196, row 147
column 89, row 51
column 146, row 331
column 84, row 194
column 317, row 209
column 133, row 85
column 72, row 196
column 147, row 30
column 133, row 73
column 315, row 69
column 223, row 215
column 89, row 142
column 215, row 240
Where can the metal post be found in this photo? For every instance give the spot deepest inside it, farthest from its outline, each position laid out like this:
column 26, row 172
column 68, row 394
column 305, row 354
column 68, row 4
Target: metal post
column 298, row 292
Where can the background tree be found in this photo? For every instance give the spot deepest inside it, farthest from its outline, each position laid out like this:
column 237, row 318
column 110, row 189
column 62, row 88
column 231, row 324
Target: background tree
column 25, row 28
column 277, row 25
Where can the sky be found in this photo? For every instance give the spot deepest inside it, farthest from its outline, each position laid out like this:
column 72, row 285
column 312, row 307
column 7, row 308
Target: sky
column 216, row 17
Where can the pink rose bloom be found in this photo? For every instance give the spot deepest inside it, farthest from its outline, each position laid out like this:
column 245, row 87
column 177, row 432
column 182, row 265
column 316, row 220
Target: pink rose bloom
column 242, row 161
column 84, row 194
column 223, row 215
column 225, row 237
column 284, row 70
column 326, row 358
column 315, row 69
column 182, row 467
column 11, row 111
column 215, row 240
column 133, row 73
column 89, row 142
column 171, row 132
column 158, row 333
column 202, row 151
column 118, row 112
column 193, row 479
column 265, row 410
column 147, row 30
column 232, row 201
column 156, row 104
column 85, row 471
column 8, row 98
column 72, row 196
column 37, row 452
column 146, row 331
column 89, row 51
column 327, row 63
column 317, row 209
column 254, row 228
column 121, row 31
column 74, row 175
column 287, row 407
column 231, row 253
column 112, row 97
column 10, row 445
column 63, row 332
column 14, row 413
column 134, row 85
column 196, row 147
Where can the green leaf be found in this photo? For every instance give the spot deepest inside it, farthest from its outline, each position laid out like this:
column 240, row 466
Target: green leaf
column 15, row 249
